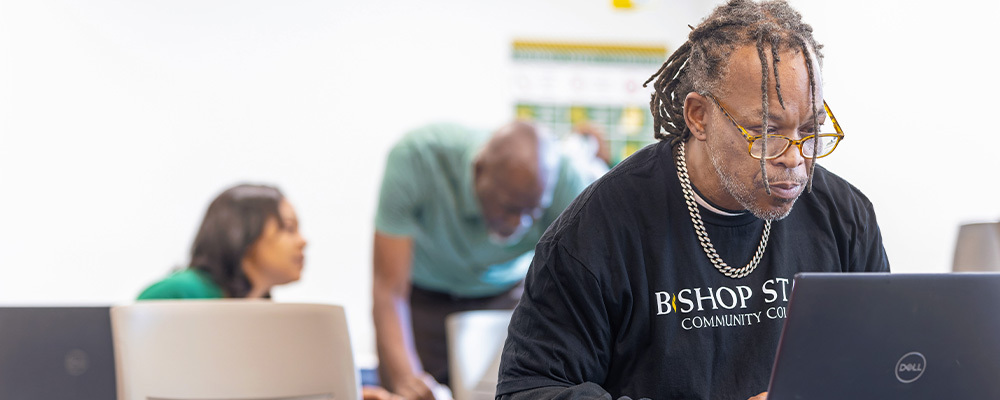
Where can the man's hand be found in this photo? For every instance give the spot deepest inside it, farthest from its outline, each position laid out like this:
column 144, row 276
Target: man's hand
column 418, row 387
column 762, row 396
column 595, row 132
column 378, row 393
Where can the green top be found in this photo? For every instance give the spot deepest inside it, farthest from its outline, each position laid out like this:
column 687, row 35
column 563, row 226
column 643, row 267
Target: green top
column 187, row 284
column 427, row 194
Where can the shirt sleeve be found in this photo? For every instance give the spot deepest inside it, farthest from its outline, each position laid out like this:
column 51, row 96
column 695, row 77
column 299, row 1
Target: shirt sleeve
column 399, row 196
column 163, row 291
column 584, row 391
column 870, row 254
column 559, row 334
column 572, row 182
column 182, row 285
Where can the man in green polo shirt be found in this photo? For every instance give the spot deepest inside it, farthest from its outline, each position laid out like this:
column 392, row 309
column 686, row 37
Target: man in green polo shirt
column 459, row 214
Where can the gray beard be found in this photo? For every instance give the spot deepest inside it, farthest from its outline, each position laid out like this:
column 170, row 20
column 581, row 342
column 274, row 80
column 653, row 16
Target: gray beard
column 744, row 194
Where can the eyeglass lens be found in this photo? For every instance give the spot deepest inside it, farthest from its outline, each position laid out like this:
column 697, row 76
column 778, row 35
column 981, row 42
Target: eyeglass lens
column 776, row 145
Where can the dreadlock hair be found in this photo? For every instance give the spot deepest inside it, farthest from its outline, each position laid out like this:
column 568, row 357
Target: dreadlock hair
column 701, row 62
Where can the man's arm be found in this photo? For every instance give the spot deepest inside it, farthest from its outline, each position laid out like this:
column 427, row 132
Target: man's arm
column 584, row 391
column 869, row 253
column 391, row 313
column 560, row 333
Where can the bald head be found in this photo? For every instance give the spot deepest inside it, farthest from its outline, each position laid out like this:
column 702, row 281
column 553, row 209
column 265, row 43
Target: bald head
column 512, row 156
column 512, row 172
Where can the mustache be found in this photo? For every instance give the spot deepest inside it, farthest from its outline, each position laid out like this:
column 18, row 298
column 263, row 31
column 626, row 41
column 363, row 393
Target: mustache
column 782, row 176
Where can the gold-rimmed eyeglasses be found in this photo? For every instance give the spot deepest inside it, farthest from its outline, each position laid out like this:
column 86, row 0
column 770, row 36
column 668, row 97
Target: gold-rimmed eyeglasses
column 822, row 144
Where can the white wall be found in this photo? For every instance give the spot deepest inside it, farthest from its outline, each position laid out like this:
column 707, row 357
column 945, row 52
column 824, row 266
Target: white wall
column 913, row 84
column 121, row 120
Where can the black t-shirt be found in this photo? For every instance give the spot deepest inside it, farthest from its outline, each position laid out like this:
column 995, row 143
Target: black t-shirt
column 621, row 294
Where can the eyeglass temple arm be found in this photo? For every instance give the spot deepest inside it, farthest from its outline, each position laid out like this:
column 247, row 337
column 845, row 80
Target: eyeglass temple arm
column 725, row 112
column 836, row 125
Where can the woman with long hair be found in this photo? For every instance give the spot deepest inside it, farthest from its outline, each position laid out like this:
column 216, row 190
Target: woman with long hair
column 249, row 242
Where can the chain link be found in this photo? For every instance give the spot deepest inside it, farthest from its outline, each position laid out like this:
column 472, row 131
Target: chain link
column 699, row 227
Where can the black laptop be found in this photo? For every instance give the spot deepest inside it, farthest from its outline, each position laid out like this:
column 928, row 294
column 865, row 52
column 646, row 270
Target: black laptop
column 56, row 353
column 890, row 336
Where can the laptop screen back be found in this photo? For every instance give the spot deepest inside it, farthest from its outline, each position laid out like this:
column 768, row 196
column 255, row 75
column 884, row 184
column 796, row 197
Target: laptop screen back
column 890, row 336
column 56, row 353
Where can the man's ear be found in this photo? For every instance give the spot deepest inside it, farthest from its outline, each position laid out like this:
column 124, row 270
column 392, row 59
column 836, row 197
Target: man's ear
column 478, row 168
column 696, row 112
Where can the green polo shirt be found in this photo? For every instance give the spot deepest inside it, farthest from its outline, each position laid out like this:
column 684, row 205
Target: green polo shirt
column 186, row 284
column 427, row 194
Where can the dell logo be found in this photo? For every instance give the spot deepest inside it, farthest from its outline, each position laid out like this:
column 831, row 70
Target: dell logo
column 76, row 362
column 910, row 367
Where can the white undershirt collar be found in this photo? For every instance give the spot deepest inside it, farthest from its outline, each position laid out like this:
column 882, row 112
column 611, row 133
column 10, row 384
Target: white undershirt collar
column 709, row 207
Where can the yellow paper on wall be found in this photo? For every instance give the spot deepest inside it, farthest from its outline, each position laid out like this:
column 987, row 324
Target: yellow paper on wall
column 622, row 3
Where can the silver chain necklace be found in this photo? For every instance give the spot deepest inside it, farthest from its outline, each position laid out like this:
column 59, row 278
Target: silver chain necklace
column 699, row 227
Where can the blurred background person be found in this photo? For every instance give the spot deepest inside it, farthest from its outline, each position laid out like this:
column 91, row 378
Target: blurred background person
column 249, row 242
column 459, row 214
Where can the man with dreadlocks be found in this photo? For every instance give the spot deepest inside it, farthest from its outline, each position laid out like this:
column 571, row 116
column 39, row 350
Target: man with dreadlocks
column 668, row 278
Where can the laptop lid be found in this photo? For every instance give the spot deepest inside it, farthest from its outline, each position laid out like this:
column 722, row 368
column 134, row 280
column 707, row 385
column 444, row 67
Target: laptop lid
column 475, row 346
column 56, row 353
column 486, row 388
column 890, row 336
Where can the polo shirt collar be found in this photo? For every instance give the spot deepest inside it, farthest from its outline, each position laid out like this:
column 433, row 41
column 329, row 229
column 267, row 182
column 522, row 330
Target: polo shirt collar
column 468, row 203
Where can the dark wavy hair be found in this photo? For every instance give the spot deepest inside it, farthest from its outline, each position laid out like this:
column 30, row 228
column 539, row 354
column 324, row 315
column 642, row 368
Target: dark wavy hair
column 233, row 222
